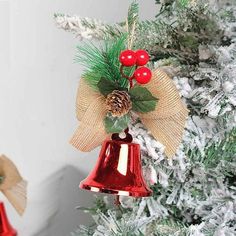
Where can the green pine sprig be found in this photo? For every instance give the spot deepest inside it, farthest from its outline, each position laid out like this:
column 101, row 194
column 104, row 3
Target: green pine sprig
column 102, row 61
column 133, row 14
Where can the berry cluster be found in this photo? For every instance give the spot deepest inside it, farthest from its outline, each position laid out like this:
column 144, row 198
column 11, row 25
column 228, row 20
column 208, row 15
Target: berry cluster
column 137, row 58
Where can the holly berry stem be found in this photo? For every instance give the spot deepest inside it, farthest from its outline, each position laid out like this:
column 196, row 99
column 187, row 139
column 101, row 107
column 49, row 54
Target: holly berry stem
column 129, row 58
column 126, row 76
column 122, row 72
column 131, row 82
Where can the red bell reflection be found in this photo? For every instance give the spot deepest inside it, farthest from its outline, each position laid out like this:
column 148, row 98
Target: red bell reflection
column 118, row 171
column 5, row 227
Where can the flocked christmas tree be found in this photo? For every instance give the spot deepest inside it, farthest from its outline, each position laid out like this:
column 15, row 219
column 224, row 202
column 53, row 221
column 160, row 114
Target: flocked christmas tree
column 194, row 42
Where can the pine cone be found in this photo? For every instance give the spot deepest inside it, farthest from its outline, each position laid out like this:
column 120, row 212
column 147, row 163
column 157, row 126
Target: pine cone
column 118, row 103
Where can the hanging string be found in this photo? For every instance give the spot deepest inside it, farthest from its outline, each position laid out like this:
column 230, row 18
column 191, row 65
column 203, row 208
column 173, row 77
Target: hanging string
column 129, row 45
column 131, row 36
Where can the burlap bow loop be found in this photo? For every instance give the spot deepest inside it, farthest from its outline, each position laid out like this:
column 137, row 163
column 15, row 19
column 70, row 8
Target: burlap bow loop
column 90, row 111
column 12, row 185
column 165, row 90
column 166, row 123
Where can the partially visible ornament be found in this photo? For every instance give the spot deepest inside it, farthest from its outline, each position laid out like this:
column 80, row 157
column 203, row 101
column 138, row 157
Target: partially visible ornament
column 118, row 103
column 13, row 186
column 128, row 58
column 143, row 75
column 142, row 57
column 5, row 227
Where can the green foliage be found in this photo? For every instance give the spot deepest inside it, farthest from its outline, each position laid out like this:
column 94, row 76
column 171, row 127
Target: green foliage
column 227, row 15
column 133, row 14
column 168, row 227
column 97, row 204
column 83, row 231
column 165, row 5
column 131, row 24
column 224, row 151
column 106, row 86
column 142, row 99
column 183, row 3
column 111, row 32
column 116, row 124
column 102, row 61
column 178, row 31
column 106, row 30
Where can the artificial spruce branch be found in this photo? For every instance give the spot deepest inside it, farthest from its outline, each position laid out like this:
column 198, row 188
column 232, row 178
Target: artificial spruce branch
column 87, row 28
column 163, row 38
column 102, row 61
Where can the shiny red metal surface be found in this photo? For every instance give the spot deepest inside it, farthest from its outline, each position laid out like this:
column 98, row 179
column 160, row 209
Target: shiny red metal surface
column 118, row 171
column 5, row 228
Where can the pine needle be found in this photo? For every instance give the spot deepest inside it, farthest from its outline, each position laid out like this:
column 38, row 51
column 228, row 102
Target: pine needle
column 102, row 61
column 216, row 152
column 133, row 14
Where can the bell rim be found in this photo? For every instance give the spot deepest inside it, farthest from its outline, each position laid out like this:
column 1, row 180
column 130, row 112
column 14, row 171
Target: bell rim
column 115, row 192
column 122, row 142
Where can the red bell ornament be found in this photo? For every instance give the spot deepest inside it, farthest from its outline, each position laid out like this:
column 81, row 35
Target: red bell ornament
column 118, row 170
column 5, row 227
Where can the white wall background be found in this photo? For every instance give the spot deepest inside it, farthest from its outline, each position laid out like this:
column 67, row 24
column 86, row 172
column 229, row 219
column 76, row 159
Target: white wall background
column 38, row 82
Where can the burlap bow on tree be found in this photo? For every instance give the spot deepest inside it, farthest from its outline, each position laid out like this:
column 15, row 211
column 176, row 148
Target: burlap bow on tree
column 166, row 123
column 12, row 185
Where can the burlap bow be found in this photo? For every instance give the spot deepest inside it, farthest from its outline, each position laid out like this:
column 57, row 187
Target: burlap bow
column 12, row 185
column 166, row 123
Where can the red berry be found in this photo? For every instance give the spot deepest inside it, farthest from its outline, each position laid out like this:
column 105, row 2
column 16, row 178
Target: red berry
column 143, row 75
column 142, row 57
column 128, row 58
